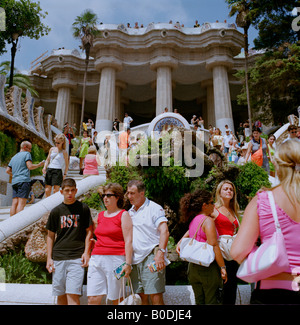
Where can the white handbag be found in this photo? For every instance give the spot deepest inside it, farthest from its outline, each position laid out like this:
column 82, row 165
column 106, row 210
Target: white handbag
column 131, row 299
column 196, row 252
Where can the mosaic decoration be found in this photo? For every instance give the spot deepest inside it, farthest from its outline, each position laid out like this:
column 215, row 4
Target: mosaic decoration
column 38, row 189
column 167, row 123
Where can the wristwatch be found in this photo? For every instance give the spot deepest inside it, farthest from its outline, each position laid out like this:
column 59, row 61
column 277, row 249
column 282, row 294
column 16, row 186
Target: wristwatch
column 162, row 250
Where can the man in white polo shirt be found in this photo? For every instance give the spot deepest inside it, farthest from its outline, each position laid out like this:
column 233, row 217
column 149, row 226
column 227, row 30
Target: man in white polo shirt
column 150, row 239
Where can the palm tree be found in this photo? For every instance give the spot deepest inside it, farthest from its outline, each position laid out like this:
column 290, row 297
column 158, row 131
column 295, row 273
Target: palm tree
column 242, row 9
column 84, row 28
column 20, row 80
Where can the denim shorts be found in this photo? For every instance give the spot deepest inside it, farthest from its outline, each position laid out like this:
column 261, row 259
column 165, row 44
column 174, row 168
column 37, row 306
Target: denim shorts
column 21, row 190
column 67, row 277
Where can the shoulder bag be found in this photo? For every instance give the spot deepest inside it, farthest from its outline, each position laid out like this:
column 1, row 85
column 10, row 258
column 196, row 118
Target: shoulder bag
column 131, row 299
column 201, row 253
column 269, row 258
column 257, row 157
column 225, row 243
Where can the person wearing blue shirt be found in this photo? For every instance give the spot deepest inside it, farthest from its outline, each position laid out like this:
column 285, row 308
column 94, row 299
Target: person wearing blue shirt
column 19, row 168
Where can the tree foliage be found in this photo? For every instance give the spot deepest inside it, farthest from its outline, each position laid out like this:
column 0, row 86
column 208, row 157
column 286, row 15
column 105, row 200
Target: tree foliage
column 274, row 83
column 23, row 17
column 20, row 80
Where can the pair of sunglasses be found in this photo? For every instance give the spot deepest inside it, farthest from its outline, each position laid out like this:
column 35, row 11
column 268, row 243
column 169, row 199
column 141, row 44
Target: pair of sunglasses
column 108, row 195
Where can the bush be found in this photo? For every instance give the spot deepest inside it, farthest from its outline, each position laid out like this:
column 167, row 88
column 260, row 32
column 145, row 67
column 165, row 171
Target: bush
column 122, row 175
column 250, row 180
column 93, row 200
column 166, row 185
column 8, row 148
column 37, row 154
column 18, row 269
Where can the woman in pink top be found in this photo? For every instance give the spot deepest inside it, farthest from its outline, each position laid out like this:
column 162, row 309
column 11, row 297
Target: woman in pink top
column 91, row 162
column 206, row 281
column 282, row 288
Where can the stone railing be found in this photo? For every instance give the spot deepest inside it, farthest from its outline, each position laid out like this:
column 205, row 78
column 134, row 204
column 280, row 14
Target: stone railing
column 22, row 119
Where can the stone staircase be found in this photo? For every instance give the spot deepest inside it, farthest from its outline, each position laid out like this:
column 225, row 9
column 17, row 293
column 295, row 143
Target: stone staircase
column 72, row 173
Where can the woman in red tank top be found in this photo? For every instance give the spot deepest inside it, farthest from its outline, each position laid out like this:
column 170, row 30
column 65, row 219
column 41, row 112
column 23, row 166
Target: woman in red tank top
column 112, row 248
column 226, row 221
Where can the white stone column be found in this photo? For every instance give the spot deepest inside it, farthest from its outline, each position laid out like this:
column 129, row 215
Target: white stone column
column 164, row 90
column 62, row 106
column 63, row 82
column 164, row 95
column 223, row 110
column 106, row 107
column 119, row 112
column 210, row 103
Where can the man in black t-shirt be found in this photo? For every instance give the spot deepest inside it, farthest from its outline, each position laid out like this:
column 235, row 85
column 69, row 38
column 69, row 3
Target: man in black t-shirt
column 70, row 229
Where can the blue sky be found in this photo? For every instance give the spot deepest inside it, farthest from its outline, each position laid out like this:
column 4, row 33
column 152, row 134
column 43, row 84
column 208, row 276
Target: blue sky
column 62, row 13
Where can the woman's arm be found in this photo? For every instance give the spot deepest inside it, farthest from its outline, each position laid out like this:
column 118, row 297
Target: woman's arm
column 126, row 225
column 66, row 156
column 47, row 161
column 247, row 233
column 212, row 239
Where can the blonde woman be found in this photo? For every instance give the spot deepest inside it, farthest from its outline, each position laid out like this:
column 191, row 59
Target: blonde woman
column 56, row 165
column 282, row 288
column 226, row 220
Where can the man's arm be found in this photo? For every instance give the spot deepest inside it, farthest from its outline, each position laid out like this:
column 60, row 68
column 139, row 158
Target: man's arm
column 163, row 241
column 88, row 245
column 9, row 171
column 32, row 166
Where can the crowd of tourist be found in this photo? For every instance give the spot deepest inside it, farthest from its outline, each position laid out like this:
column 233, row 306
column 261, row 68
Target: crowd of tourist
column 135, row 241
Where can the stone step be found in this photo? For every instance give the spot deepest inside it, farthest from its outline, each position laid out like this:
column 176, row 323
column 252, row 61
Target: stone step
column 41, row 294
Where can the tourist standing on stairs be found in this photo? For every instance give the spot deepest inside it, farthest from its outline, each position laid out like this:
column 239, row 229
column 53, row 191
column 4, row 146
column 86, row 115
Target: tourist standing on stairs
column 56, row 165
column 19, row 168
column 85, row 142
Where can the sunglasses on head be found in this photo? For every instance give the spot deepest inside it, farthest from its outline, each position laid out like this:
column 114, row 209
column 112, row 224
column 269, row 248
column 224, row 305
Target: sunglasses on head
column 108, row 195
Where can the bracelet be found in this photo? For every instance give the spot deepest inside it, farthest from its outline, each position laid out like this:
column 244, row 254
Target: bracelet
column 128, row 265
column 223, row 267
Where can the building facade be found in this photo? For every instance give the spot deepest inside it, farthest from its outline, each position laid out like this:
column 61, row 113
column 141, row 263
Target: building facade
column 142, row 71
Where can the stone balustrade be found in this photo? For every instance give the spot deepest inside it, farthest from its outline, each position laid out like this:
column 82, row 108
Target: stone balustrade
column 22, row 118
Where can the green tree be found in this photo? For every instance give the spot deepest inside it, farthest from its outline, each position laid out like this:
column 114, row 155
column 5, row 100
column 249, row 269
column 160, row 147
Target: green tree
column 274, row 83
column 273, row 20
column 23, row 19
column 20, row 80
column 242, row 8
column 84, row 28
